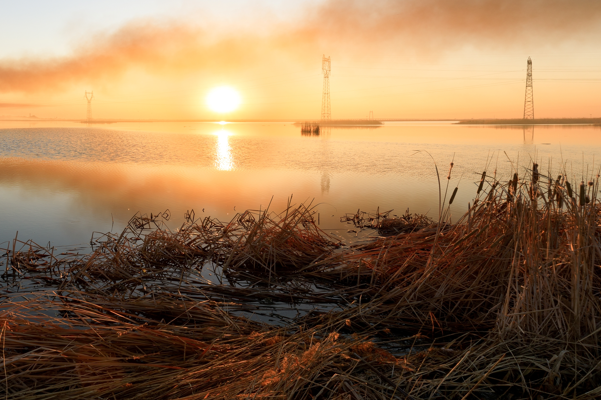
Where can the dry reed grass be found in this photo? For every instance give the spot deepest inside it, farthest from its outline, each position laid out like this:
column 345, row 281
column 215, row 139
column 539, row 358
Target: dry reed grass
column 504, row 303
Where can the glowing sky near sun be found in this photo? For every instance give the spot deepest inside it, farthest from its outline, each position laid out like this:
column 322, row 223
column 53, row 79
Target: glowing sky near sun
column 397, row 58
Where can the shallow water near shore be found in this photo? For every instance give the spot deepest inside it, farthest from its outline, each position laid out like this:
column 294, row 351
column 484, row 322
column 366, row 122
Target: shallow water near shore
column 59, row 182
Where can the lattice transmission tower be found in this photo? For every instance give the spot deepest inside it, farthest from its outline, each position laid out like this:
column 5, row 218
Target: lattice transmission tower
column 529, row 100
column 326, row 112
column 89, row 97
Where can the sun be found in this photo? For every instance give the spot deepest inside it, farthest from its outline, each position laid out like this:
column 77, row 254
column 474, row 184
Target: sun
column 223, row 99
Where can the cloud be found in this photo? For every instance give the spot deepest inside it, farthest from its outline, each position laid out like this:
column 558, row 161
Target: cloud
column 419, row 28
column 18, row 105
column 425, row 25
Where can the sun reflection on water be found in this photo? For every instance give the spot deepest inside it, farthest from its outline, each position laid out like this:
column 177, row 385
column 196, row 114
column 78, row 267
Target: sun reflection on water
column 223, row 160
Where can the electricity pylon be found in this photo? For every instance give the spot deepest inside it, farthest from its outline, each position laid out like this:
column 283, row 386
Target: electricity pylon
column 89, row 97
column 325, row 97
column 529, row 100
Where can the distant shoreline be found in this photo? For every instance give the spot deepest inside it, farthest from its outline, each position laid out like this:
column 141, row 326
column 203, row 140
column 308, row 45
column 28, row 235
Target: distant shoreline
column 341, row 122
column 338, row 122
column 542, row 121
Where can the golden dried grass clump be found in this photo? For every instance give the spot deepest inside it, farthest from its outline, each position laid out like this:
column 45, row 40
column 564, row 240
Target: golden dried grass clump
column 276, row 244
column 522, row 259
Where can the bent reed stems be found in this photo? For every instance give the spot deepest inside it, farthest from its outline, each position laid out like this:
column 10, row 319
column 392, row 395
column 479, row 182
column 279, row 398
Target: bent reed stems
column 505, row 303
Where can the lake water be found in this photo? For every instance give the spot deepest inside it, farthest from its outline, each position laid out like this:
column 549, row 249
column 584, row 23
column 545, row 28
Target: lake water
column 59, row 182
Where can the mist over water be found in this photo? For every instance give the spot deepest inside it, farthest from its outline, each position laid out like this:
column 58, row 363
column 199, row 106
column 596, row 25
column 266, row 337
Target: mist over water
column 61, row 182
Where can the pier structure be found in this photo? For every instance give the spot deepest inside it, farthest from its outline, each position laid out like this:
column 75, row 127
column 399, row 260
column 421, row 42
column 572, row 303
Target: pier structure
column 310, row 128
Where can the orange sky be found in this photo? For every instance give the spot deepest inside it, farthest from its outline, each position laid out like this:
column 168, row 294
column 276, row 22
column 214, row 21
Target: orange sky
column 398, row 58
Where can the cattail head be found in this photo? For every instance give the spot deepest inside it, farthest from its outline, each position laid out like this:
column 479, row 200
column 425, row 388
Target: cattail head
column 481, row 182
column 492, row 190
column 453, row 195
column 590, row 183
column 450, row 169
column 534, row 172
